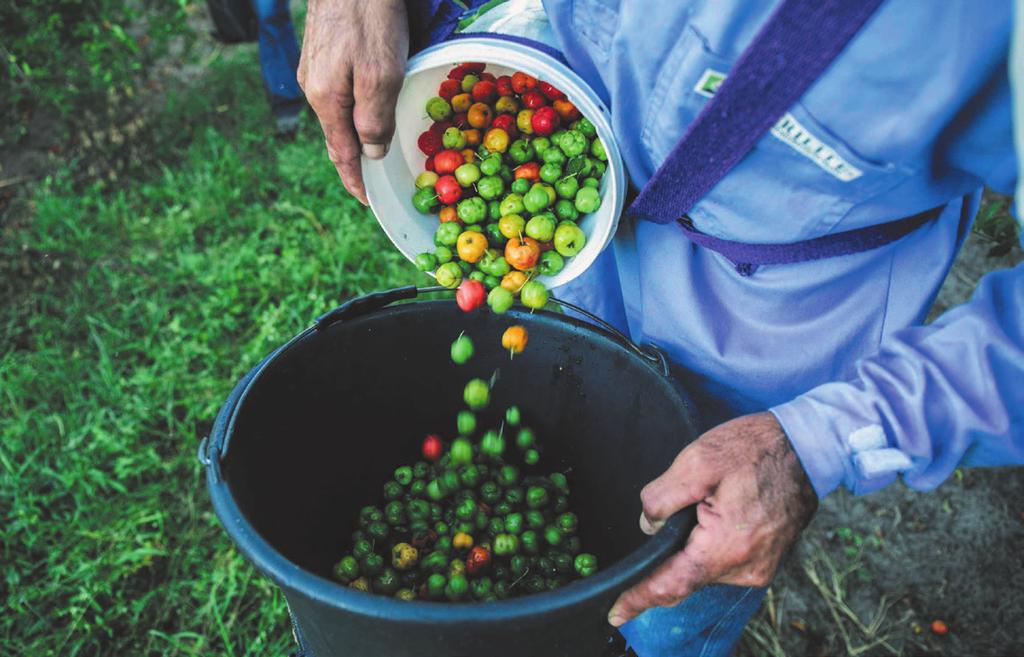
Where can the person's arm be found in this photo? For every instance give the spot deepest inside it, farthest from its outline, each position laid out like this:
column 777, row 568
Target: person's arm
column 351, row 70
column 933, row 397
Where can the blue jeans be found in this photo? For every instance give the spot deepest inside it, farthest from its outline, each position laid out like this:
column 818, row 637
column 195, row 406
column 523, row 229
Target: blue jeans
column 279, row 56
column 707, row 624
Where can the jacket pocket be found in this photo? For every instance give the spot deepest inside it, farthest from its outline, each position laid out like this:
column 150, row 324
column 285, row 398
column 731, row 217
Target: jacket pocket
column 797, row 182
column 682, row 86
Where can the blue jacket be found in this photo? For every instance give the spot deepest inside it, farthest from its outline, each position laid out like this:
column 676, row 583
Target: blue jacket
column 915, row 113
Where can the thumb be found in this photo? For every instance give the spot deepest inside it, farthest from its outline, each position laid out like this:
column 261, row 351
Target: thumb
column 376, row 92
column 673, row 581
column 686, row 482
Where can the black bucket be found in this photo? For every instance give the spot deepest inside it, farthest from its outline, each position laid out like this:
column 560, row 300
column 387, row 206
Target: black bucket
column 307, row 438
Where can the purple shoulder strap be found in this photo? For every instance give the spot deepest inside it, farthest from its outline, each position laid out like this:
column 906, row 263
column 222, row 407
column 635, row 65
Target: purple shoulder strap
column 434, row 21
column 790, row 52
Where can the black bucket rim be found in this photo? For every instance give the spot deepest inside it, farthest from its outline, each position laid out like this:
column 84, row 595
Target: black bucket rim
column 289, row 575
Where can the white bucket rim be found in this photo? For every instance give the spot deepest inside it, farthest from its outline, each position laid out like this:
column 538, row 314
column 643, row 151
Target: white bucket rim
column 493, row 50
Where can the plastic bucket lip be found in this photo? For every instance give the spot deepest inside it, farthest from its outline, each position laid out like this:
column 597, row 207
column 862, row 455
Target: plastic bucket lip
column 390, row 199
column 290, row 575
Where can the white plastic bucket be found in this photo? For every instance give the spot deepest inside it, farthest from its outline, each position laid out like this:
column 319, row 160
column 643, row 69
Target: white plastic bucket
column 390, row 181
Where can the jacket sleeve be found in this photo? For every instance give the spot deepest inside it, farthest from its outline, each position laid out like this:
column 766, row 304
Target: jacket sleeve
column 950, row 393
column 933, row 397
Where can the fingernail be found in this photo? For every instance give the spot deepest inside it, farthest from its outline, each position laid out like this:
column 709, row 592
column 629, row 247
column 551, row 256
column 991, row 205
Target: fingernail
column 648, row 527
column 615, row 620
column 375, row 151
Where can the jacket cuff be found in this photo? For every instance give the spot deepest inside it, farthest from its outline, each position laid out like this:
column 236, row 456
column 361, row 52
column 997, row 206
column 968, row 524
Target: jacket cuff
column 840, row 439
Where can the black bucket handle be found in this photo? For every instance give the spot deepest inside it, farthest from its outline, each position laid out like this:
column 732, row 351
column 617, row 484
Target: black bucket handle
column 377, row 300
column 211, row 452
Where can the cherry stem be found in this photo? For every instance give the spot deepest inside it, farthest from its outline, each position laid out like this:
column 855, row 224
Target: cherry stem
column 525, row 573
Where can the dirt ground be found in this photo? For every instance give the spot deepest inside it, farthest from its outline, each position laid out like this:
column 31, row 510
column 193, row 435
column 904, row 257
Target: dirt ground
column 873, row 572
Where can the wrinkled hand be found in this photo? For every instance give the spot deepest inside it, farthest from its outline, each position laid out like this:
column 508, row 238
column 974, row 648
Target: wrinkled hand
column 753, row 500
column 351, row 69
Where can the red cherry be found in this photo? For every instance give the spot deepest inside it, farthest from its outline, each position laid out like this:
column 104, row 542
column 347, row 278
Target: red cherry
column 474, row 67
column 484, row 92
column 534, row 100
column 448, row 189
column 429, row 142
column 504, row 85
column 566, row 110
column 506, row 122
column 431, row 447
column 478, row 560
column 545, row 121
column 489, row 77
column 529, row 170
column 460, row 120
column 429, row 164
column 523, row 82
column 438, row 127
column 457, row 73
column 550, row 91
column 470, row 295
column 449, row 88
column 448, row 161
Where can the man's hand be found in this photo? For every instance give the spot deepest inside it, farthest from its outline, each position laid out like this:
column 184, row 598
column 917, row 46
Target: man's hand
column 351, row 69
column 753, row 500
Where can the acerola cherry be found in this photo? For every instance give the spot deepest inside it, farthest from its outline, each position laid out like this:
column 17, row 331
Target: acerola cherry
column 529, row 170
column 431, row 447
column 545, row 121
column 506, row 122
column 448, row 189
column 448, row 89
column 504, row 85
column 478, row 560
column 534, row 100
column 484, row 92
column 523, row 82
column 429, row 142
column 470, row 294
column 458, row 73
column 448, row 161
column 566, row 110
column 438, row 127
column 550, row 91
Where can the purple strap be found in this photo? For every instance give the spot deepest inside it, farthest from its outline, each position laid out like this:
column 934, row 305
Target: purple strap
column 747, row 257
column 434, row 21
column 536, row 45
column 793, row 48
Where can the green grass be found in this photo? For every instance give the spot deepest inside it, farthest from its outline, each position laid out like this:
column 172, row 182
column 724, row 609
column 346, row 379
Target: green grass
column 126, row 315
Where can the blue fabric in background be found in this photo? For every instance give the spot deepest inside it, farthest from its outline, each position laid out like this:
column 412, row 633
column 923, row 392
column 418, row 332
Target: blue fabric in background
column 279, row 56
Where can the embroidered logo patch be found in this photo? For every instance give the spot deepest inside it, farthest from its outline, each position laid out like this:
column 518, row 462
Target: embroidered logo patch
column 709, row 82
column 792, row 133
